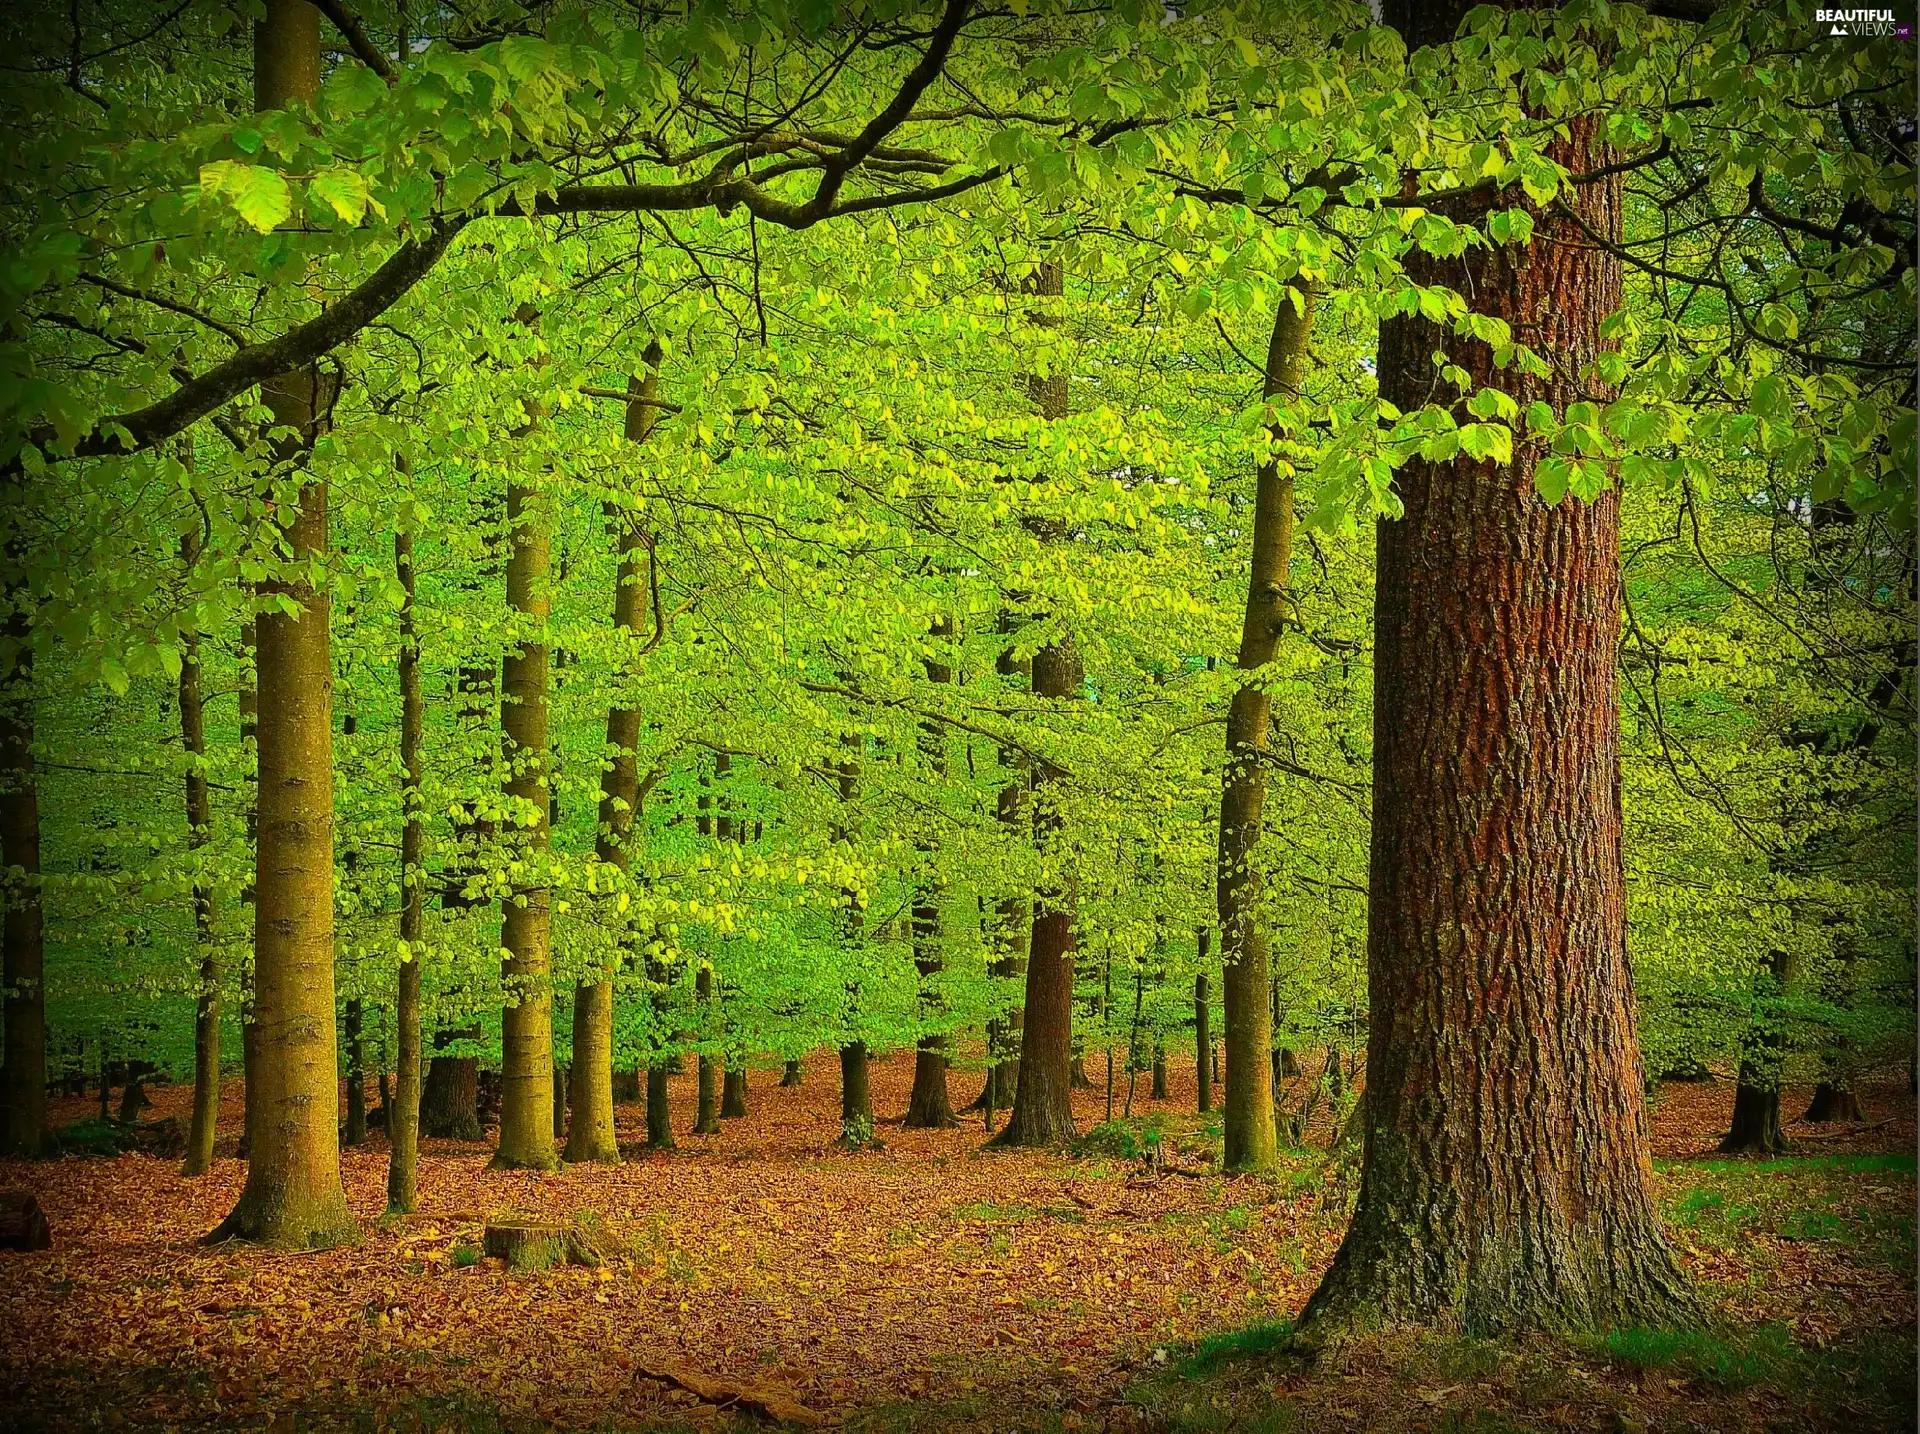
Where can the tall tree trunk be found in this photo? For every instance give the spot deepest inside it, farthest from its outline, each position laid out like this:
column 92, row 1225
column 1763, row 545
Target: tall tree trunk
column 248, row 703
column 1249, row 1130
column 591, row 1134
column 790, row 1076
column 1042, row 1110
column 206, row 1017
column 403, row 1116
column 293, row 1195
column 1203, row 1029
column 659, row 1113
column 526, row 1027
column 928, row 1107
column 26, row 1131
column 856, row 1090
column 1042, row 1103
column 1506, row 1176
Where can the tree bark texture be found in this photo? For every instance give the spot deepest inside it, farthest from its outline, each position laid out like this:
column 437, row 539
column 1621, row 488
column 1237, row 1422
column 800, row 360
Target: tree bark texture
column 1506, row 1175
column 733, row 1093
column 1248, row 1114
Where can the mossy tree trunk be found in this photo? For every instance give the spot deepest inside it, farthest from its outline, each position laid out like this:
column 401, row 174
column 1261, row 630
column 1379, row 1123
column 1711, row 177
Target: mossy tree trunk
column 1506, row 1180
column 1248, row 1112
column 526, row 1027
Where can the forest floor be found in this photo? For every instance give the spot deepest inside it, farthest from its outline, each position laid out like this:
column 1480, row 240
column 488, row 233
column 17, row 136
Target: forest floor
column 930, row 1285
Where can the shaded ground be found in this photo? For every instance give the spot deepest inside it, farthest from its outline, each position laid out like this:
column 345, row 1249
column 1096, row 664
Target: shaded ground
column 928, row 1285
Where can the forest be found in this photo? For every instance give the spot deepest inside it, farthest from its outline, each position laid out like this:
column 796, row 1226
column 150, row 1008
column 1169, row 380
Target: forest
column 1143, row 715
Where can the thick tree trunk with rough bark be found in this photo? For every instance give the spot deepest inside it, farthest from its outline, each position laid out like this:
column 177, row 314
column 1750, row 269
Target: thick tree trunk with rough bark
column 1042, row 1103
column 1506, row 1174
column 206, row 1017
column 450, row 1101
column 403, row 1116
column 1249, row 1129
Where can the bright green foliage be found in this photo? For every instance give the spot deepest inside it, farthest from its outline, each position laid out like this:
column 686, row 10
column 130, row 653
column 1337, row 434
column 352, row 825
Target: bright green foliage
column 848, row 453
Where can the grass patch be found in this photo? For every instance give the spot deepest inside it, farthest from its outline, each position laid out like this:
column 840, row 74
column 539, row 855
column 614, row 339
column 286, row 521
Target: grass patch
column 1235, row 1346
column 1727, row 1363
column 464, row 1257
column 992, row 1214
column 1863, row 1203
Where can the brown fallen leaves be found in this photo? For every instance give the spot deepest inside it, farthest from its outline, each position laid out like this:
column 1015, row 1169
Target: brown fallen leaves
column 768, row 1271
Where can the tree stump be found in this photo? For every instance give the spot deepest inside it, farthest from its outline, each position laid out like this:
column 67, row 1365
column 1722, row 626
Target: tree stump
column 22, row 1224
column 529, row 1244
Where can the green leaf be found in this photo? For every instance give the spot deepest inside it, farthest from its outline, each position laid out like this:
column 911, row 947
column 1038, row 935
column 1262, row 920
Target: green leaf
column 351, row 90
column 1551, row 477
column 343, row 190
column 259, row 196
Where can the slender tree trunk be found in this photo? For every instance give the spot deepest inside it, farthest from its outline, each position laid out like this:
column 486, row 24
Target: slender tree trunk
column 526, row 1028
column 403, row 1117
column 293, row 1195
column 856, row 1090
column 1042, row 1103
column 355, row 1130
column 1203, row 1029
column 706, row 1120
column 591, row 1135
column 206, row 1018
column 928, row 1106
column 1013, row 916
column 1506, row 1175
column 1250, row 1137
column 659, row 1115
